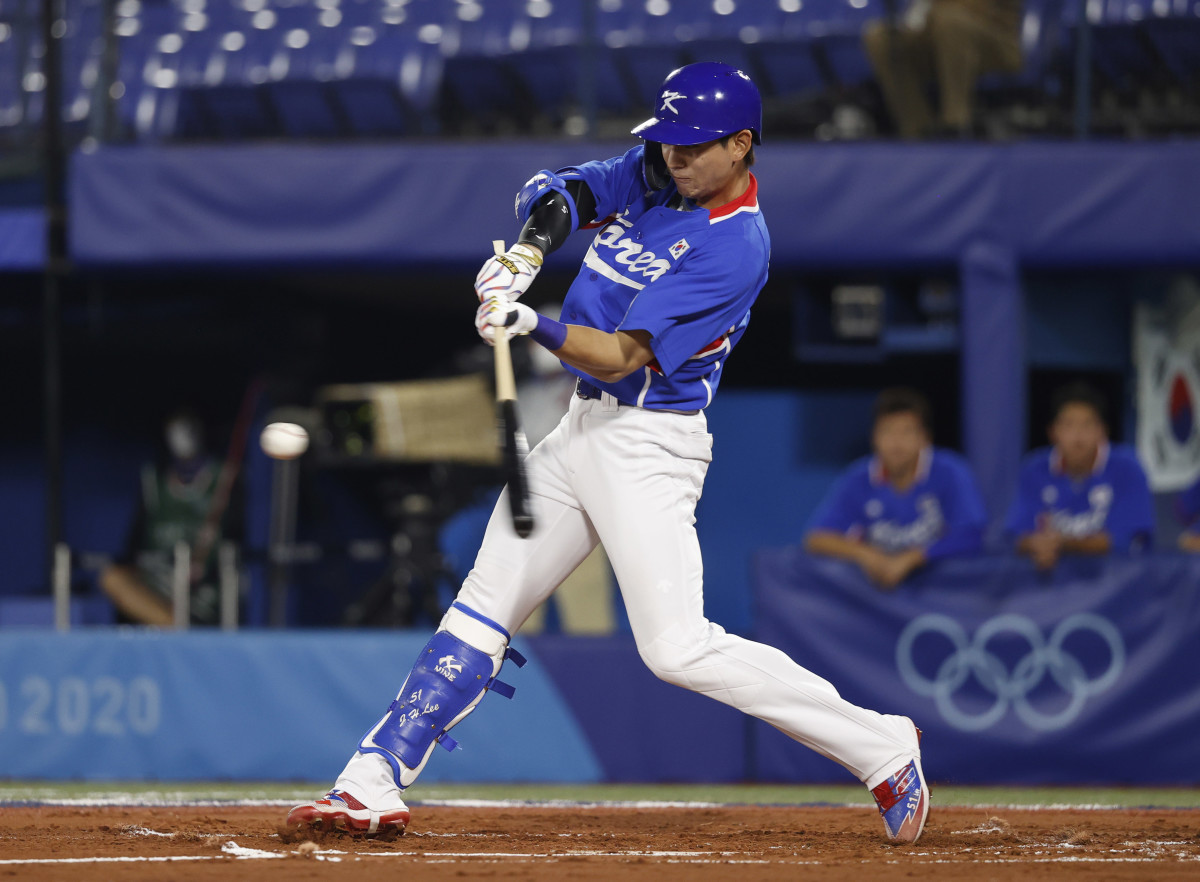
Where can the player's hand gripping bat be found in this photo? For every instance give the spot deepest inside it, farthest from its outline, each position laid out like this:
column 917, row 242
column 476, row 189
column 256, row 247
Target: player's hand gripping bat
column 513, row 445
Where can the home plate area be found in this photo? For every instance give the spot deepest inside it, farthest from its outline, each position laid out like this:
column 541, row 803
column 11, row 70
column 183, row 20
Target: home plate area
column 663, row 841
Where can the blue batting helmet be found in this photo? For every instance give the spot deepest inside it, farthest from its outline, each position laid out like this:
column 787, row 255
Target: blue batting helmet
column 702, row 102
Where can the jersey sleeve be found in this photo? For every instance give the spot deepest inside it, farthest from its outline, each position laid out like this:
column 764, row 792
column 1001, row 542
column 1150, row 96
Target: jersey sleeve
column 614, row 183
column 1130, row 520
column 962, row 507
column 838, row 511
column 1027, row 505
column 707, row 297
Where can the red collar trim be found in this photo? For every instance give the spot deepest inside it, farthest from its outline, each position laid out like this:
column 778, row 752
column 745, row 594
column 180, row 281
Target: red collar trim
column 748, row 201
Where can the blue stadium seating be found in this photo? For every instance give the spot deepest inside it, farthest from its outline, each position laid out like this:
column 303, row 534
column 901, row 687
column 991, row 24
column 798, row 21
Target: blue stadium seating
column 245, row 68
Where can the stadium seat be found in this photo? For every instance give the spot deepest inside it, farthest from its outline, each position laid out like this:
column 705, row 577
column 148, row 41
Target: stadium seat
column 480, row 85
column 724, row 32
column 232, row 98
column 786, row 57
column 12, row 110
column 1121, row 54
column 837, row 29
column 650, row 47
column 1042, row 53
column 387, row 82
column 551, row 67
column 186, row 114
column 1173, row 27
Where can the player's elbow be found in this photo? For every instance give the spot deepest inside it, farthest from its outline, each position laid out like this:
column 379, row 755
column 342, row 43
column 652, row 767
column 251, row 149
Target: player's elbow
column 620, row 367
column 614, row 375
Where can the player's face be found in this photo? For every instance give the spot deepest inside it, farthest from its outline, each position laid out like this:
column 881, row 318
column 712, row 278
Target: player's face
column 898, row 439
column 710, row 174
column 1078, row 432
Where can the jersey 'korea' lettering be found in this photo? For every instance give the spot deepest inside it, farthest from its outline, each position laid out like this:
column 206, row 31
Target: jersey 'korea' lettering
column 688, row 277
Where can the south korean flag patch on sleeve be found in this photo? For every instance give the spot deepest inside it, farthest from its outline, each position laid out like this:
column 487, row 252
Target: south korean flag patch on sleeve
column 678, row 249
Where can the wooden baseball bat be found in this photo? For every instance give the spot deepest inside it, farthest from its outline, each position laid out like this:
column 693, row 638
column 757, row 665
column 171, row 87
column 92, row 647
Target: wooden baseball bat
column 513, row 445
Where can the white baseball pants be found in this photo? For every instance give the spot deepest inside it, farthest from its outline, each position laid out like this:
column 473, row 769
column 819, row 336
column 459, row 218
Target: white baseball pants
column 631, row 478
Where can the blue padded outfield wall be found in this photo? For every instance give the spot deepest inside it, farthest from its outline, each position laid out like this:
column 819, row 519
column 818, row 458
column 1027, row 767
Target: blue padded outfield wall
column 1050, row 204
column 1087, row 675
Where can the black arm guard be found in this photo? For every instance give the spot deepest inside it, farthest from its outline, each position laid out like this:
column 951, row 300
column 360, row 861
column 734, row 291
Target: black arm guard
column 549, row 223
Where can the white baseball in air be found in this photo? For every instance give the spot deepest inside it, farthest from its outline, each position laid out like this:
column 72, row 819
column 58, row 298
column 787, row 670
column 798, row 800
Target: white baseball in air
column 284, row 440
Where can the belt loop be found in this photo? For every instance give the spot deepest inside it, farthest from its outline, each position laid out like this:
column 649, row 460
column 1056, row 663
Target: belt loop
column 607, row 403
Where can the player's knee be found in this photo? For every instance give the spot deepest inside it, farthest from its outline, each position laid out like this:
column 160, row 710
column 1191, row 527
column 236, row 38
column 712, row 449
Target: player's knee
column 674, row 660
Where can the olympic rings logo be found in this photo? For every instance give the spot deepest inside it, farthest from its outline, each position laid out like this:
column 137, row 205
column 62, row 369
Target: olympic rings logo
column 1009, row 688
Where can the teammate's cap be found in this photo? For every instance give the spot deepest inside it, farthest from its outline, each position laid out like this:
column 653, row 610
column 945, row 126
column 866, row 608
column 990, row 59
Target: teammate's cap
column 702, row 102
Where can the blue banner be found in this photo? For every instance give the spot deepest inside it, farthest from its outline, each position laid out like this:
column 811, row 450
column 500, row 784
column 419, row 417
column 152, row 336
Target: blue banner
column 119, row 704
column 1051, row 204
column 1086, row 675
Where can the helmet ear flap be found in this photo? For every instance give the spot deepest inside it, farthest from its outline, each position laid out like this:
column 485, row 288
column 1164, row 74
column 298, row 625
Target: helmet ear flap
column 654, row 167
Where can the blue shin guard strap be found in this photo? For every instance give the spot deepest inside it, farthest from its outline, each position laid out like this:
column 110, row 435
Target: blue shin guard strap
column 447, row 742
column 517, row 658
column 480, row 617
column 502, row 688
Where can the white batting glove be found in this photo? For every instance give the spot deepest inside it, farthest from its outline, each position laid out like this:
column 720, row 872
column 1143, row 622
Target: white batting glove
column 509, row 273
column 499, row 312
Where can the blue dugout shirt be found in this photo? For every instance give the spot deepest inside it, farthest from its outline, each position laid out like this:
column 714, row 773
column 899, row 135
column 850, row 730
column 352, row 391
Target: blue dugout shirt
column 942, row 511
column 1114, row 498
column 661, row 264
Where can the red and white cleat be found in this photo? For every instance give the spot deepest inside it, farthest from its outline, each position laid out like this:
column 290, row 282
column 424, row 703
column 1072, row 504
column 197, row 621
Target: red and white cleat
column 337, row 809
column 903, row 801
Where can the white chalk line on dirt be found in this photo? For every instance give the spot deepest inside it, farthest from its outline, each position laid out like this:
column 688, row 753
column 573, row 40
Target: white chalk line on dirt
column 231, row 849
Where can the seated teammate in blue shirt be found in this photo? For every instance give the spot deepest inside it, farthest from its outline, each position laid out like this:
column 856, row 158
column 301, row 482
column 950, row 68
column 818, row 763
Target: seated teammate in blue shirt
column 1189, row 510
column 1082, row 495
column 908, row 504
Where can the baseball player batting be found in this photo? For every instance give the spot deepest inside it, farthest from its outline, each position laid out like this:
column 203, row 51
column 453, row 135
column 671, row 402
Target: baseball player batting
column 662, row 299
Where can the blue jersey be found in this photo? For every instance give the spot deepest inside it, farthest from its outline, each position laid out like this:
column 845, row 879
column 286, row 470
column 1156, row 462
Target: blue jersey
column 1114, row 498
column 661, row 264
column 1188, row 505
column 941, row 511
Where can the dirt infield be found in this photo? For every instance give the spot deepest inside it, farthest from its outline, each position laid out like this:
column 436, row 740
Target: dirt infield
column 601, row 843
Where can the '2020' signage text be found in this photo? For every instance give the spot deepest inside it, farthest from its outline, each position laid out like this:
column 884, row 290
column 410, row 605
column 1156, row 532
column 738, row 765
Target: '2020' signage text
column 103, row 706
